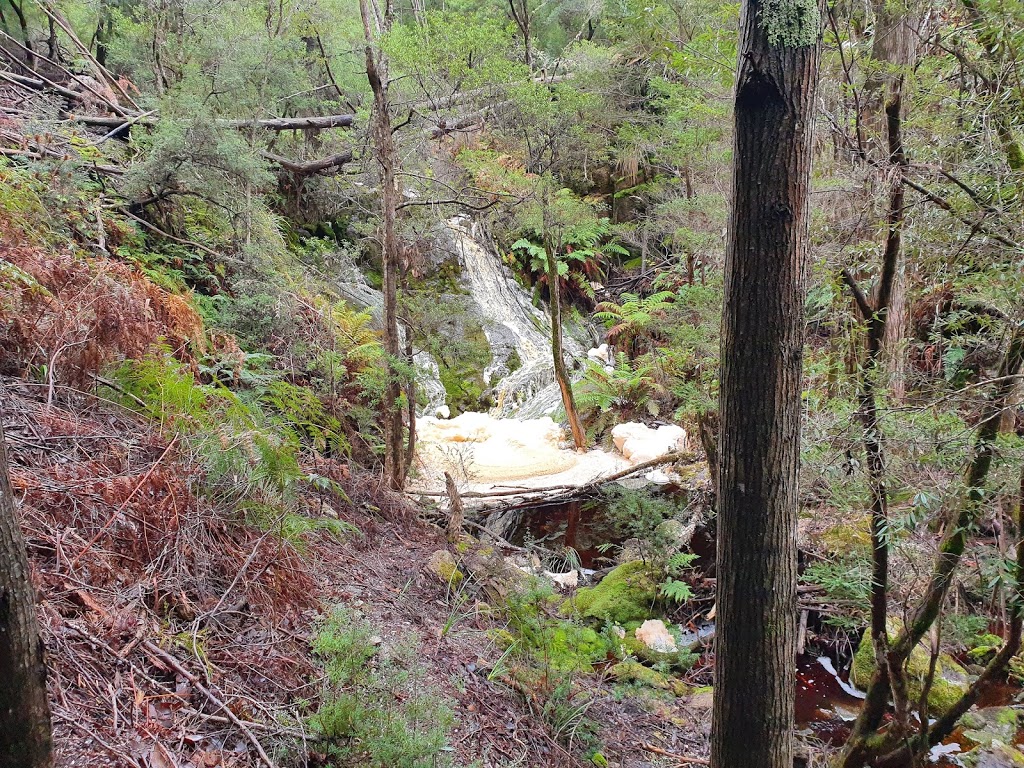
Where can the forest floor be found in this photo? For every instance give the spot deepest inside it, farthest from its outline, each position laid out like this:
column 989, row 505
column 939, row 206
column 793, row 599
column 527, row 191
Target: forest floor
column 178, row 635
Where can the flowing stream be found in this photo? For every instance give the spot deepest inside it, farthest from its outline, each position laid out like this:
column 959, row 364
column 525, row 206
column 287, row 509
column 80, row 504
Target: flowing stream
column 521, row 373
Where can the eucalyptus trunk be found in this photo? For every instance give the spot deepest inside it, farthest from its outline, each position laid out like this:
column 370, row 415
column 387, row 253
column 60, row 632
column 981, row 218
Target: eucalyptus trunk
column 25, row 740
column 760, row 388
column 386, row 155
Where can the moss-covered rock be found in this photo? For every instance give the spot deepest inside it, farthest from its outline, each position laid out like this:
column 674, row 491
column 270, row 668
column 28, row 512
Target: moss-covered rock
column 442, row 565
column 949, row 684
column 626, row 594
column 635, row 672
column 993, row 730
column 847, row 536
column 992, row 725
column 984, row 648
column 995, row 756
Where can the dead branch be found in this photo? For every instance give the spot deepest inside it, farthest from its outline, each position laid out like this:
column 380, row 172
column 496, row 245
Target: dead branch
column 173, row 662
column 311, row 167
column 314, row 122
column 668, row 458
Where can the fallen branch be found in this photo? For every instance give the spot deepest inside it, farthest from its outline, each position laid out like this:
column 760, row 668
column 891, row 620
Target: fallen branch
column 174, row 664
column 315, row 122
column 668, row 458
column 311, row 167
column 180, row 240
column 686, row 759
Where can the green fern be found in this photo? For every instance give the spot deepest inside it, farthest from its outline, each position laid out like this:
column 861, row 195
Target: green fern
column 635, row 319
column 678, row 591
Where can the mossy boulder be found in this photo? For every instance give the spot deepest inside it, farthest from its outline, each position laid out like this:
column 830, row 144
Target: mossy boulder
column 992, row 725
column 995, row 755
column 574, row 648
column 849, row 535
column 949, row 684
column 993, row 730
column 635, row 672
column 443, row 566
column 984, row 648
column 626, row 594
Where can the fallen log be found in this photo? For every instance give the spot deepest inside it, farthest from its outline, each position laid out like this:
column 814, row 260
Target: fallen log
column 311, row 167
column 668, row 458
column 310, row 123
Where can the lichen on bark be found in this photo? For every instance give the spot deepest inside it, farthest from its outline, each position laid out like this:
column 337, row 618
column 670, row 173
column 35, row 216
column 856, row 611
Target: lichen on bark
column 790, row 23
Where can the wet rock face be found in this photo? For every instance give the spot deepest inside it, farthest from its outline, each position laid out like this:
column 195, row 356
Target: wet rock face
column 518, row 332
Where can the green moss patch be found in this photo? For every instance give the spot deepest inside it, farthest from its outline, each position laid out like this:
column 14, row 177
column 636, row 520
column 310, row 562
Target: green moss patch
column 627, row 594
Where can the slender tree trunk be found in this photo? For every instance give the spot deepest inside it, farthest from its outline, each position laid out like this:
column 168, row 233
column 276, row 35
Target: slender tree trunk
column 25, row 740
column 19, row 11
column 521, row 16
column 862, row 749
column 877, row 316
column 893, row 52
column 760, row 387
column 579, row 436
column 386, row 156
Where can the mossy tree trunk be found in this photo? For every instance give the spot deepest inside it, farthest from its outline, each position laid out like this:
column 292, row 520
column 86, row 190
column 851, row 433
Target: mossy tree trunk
column 760, row 389
column 25, row 740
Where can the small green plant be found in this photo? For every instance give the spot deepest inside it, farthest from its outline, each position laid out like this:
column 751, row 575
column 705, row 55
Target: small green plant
column 608, row 397
column 847, row 580
column 376, row 711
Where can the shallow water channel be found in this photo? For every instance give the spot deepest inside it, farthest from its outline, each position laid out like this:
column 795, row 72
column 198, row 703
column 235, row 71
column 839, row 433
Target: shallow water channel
column 826, row 703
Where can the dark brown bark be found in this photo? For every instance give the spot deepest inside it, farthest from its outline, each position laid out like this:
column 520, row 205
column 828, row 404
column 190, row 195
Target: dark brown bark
column 25, row 740
column 386, row 156
column 579, row 436
column 760, row 398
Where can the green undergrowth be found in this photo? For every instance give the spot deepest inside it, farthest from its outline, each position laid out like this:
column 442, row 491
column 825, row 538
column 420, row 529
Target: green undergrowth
column 248, row 447
column 376, row 709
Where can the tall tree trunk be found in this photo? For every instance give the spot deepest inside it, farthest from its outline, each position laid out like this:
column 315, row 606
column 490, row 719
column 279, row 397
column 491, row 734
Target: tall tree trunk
column 760, row 388
column 579, row 436
column 894, row 50
column 25, row 740
column 386, row 155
